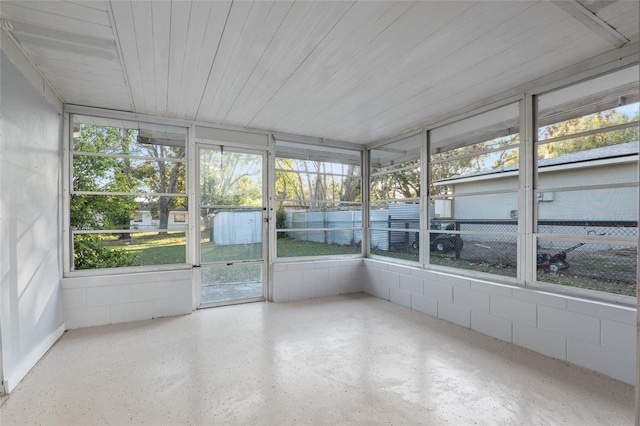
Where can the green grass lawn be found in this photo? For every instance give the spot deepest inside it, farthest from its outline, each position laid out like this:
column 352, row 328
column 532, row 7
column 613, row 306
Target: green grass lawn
column 153, row 249
column 289, row 247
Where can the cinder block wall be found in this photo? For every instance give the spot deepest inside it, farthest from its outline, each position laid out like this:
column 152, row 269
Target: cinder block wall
column 595, row 335
column 109, row 299
column 306, row 280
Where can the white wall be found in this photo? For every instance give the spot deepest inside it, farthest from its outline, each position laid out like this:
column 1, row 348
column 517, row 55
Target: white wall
column 595, row 335
column 30, row 237
column 307, row 280
column 110, row 299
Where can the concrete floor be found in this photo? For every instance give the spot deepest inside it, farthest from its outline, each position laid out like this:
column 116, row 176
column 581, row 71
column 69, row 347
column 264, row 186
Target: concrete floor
column 350, row 359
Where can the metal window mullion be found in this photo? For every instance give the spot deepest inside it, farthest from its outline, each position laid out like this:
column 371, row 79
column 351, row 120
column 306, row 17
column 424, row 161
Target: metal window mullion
column 485, row 233
column 127, row 231
column 197, row 197
column 588, row 239
column 468, row 194
column 127, row 194
column 316, row 173
column 475, row 154
column 67, row 184
column 315, row 229
column 284, row 200
column 193, row 240
column 589, row 133
column 395, row 200
column 365, row 196
column 127, row 156
column 588, row 187
column 228, row 207
column 374, row 228
column 400, row 169
column 272, row 247
column 527, row 225
column 425, row 213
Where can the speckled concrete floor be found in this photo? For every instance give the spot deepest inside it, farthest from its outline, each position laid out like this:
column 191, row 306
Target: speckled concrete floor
column 350, row 359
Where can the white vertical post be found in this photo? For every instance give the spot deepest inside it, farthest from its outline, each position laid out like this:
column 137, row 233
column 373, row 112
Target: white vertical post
column 637, row 404
column 425, row 211
column 526, row 182
column 365, row 194
column 193, row 202
column 67, row 255
column 271, row 235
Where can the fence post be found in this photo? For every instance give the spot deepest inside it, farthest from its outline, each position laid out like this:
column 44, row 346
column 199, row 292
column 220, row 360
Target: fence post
column 389, row 233
column 458, row 239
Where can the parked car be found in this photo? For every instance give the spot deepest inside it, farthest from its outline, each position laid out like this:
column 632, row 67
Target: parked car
column 441, row 243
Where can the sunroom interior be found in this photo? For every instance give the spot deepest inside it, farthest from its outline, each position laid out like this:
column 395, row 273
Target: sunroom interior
column 473, row 161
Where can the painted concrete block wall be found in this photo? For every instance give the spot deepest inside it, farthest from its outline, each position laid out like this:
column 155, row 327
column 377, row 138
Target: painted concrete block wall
column 30, row 237
column 595, row 335
column 306, row 280
column 109, row 299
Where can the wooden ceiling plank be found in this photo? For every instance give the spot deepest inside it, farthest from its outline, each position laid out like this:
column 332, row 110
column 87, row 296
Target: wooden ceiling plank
column 383, row 69
column 17, row 12
column 200, row 54
column 403, row 70
column 143, row 24
column 261, row 23
column 304, row 26
column 161, row 33
column 202, row 45
column 62, row 48
column 94, row 4
column 233, row 30
column 181, row 15
column 444, row 99
column 615, row 9
column 627, row 25
column 357, row 30
column 592, row 21
column 125, row 29
column 69, row 59
column 47, row 59
column 486, row 65
column 67, row 9
column 64, row 36
column 77, row 77
column 475, row 78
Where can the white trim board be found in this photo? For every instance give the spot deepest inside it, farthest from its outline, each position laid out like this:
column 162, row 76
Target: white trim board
column 13, row 379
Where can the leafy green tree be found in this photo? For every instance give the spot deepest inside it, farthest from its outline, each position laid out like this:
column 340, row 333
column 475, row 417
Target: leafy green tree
column 95, row 212
column 600, row 120
column 404, row 183
column 230, row 178
column 164, row 177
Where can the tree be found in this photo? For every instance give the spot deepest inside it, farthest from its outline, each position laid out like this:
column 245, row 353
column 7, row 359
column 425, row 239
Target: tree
column 403, row 183
column 310, row 184
column 164, row 177
column 93, row 211
column 230, row 179
column 600, row 120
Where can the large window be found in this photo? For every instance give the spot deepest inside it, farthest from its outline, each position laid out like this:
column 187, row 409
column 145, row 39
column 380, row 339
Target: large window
column 473, row 200
column 394, row 209
column 127, row 202
column 318, row 198
column 586, row 184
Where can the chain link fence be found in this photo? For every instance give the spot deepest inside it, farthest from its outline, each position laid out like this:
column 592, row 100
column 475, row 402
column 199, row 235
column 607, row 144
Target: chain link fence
column 586, row 264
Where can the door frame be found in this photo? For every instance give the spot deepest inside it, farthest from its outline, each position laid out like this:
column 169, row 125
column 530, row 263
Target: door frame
column 264, row 151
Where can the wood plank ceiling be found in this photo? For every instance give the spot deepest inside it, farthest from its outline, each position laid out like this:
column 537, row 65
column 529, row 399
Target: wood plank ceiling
column 343, row 70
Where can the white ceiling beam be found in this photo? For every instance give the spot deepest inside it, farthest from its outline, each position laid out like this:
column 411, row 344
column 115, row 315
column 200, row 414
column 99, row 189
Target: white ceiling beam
column 592, row 21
